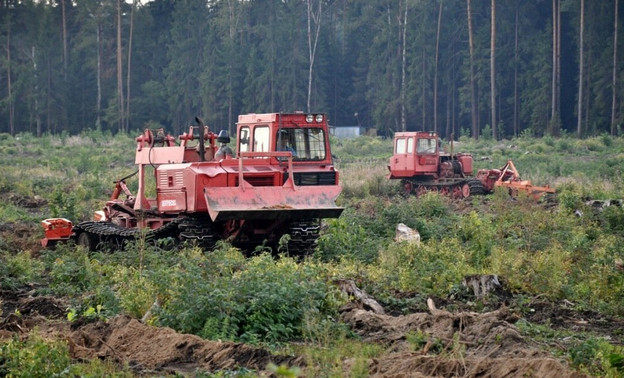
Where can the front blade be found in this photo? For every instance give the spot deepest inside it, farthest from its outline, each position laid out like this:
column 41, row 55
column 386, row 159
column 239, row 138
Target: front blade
column 270, row 202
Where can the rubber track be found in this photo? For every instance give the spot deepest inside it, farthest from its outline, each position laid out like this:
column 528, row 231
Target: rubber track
column 476, row 188
column 111, row 229
column 304, row 237
column 437, row 185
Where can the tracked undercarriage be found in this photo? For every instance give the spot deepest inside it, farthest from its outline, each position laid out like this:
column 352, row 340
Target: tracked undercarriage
column 303, row 236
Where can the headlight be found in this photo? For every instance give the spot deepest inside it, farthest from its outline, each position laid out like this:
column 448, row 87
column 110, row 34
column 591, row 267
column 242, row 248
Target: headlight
column 319, row 118
column 309, row 118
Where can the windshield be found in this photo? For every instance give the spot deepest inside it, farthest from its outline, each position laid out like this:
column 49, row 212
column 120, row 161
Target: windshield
column 306, row 144
column 427, row 146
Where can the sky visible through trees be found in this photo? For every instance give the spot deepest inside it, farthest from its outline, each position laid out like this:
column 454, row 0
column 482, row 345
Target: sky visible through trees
column 68, row 66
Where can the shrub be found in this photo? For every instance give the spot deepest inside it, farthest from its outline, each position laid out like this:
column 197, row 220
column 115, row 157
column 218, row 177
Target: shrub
column 254, row 300
column 19, row 269
column 36, row 356
column 430, row 269
column 32, row 357
column 72, row 273
column 598, row 358
column 346, row 237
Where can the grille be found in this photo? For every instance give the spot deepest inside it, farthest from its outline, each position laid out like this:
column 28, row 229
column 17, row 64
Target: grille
column 315, row 178
column 257, row 180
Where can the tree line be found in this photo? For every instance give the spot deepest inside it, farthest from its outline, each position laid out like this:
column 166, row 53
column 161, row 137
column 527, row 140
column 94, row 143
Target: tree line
column 470, row 67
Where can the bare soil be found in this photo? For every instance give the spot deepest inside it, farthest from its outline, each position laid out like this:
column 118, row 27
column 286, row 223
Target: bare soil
column 465, row 344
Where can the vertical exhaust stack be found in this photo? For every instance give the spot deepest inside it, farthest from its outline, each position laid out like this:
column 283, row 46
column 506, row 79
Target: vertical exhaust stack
column 201, row 126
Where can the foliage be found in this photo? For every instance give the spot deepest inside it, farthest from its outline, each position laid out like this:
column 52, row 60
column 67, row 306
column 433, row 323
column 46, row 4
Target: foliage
column 598, row 357
column 17, row 270
column 360, row 76
column 259, row 299
column 37, row 356
column 73, row 273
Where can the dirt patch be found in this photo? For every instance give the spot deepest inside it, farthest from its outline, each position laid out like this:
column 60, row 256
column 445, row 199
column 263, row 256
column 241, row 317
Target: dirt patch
column 25, row 201
column 441, row 343
column 21, row 311
column 563, row 316
column 418, row 365
column 23, row 236
column 20, row 236
column 146, row 348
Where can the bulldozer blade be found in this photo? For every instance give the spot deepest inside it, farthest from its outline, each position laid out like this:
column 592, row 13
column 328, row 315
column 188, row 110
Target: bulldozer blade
column 269, row 202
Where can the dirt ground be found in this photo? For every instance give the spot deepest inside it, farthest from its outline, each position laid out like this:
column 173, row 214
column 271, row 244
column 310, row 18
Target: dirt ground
column 421, row 344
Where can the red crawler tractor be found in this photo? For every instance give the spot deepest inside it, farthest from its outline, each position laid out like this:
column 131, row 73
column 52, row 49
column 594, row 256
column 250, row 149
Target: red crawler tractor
column 282, row 182
column 421, row 165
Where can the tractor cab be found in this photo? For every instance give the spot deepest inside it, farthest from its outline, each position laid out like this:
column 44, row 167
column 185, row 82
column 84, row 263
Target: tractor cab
column 415, row 153
column 303, row 135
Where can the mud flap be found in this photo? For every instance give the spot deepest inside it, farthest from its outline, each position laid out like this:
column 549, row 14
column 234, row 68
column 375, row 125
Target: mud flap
column 270, row 202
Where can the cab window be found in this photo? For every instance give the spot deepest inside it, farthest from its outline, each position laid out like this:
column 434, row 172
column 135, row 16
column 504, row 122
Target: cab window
column 410, row 145
column 261, row 139
column 305, row 143
column 400, row 146
column 243, row 140
column 427, row 146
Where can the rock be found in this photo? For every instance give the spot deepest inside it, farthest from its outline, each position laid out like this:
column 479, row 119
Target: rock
column 404, row 233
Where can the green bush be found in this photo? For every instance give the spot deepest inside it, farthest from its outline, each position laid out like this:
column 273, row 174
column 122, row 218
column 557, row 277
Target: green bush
column 17, row 270
column 598, row 358
column 72, row 273
column 34, row 357
column 431, row 269
column 255, row 300
column 344, row 238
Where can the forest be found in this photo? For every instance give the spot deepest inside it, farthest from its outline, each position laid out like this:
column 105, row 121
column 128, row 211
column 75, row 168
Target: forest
column 456, row 67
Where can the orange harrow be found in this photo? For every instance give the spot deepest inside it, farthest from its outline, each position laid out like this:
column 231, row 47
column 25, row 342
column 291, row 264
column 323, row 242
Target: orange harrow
column 509, row 177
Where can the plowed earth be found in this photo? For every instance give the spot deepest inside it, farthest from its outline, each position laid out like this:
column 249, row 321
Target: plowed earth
column 460, row 343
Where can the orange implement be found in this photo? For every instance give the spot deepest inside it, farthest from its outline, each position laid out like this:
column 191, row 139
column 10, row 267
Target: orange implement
column 56, row 229
column 510, row 178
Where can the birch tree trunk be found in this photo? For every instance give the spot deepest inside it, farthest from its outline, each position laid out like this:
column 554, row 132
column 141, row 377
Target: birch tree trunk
column 9, row 84
column 403, row 74
column 473, row 83
column 234, row 14
column 129, row 66
column 515, row 106
column 556, row 46
column 435, row 74
column 493, row 68
column 98, row 107
column 614, row 78
column 33, row 57
column 579, row 123
column 316, row 19
column 64, row 29
column 120, row 96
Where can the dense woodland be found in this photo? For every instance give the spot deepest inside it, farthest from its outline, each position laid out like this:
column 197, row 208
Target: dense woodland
column 452, row 66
